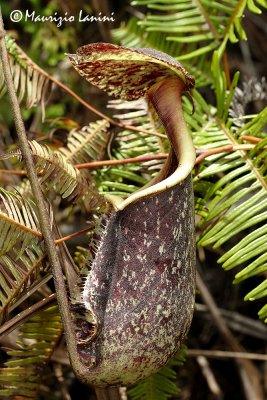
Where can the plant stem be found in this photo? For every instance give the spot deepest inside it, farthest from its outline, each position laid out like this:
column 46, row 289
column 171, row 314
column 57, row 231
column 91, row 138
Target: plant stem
column 226, row 354
column 111, row 393
column 99, row 164
column 44, row 217
column 202, row 154
column 251, row 139
column 223, row 149
column 226, row 69
column 72, row 235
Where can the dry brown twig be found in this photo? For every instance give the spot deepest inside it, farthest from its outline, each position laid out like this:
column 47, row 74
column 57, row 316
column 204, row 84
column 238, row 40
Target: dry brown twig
column 209, row 376
column 248, row 372
column 226, row 354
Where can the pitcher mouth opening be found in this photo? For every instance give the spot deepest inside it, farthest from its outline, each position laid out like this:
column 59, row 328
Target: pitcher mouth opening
column 86, row 325
column 85, row 331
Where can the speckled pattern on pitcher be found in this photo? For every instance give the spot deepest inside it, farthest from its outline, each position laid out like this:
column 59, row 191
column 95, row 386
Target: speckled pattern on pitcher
column 141, row 287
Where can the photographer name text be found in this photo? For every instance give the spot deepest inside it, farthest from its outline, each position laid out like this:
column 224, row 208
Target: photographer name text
column 18, row 15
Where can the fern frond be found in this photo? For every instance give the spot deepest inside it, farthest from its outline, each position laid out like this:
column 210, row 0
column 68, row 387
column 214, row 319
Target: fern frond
column 205, row 23
column 18, row 222
column 21, row 246
column 17, row 273
column 187, row 30
column 123, row 180
column 29, row 83
column 237, row 201
column 159, row 386
column 55, row 171
column 23, row 372
column 87, row 144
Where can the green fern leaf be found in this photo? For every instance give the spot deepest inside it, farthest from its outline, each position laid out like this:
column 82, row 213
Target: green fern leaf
column 188, row 30
column 160, row 386
column 17, row 274
column 37, row 340
column 21, row 246
column 55, row 171
column 30, row 83
column 87, row 144
column 121, row 180
column 236, row 201
column 18, row 222
column 203, row 21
